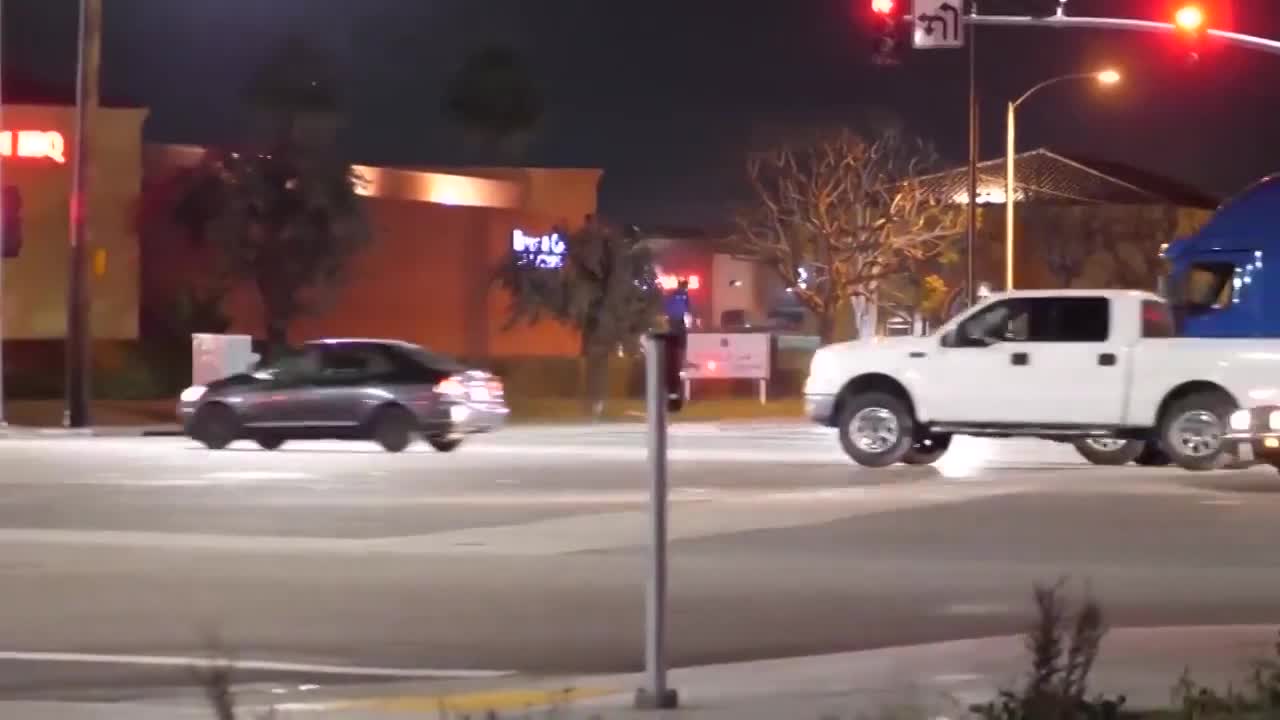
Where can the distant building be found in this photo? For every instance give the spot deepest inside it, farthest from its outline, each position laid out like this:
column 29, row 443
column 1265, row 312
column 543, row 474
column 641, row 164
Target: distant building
column 1081, row 222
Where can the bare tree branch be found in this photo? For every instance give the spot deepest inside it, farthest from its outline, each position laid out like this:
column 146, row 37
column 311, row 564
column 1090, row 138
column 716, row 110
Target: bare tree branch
column 836, row 216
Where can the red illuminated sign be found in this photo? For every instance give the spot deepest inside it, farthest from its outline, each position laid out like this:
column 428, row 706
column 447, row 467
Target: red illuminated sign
column 38, row 144
column 669, row 282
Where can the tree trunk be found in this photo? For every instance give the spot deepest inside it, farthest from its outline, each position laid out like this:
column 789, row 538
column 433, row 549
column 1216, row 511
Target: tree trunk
column 826, row 327
column 277, row 338
column 597, row 380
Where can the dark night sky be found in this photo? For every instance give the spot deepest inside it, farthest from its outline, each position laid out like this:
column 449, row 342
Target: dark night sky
column 666, row 94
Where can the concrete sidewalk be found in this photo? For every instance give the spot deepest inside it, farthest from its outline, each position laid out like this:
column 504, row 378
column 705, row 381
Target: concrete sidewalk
column 931, row 681
column 26, row 431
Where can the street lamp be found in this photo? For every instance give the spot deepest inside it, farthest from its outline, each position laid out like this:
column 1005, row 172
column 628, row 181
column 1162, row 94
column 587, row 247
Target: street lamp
column 1105, row 77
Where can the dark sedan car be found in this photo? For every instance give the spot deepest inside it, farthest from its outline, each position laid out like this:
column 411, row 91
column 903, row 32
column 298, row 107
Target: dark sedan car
column 382, row 390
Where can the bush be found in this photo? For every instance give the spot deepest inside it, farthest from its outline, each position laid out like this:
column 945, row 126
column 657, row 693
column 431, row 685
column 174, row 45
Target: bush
column 1063, row 647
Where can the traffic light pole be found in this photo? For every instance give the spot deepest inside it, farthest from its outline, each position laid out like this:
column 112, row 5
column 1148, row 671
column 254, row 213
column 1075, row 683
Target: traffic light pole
column 971, row 223
column 78, row 328
column 1252, row 42
column 656, row 695
column 3, row 306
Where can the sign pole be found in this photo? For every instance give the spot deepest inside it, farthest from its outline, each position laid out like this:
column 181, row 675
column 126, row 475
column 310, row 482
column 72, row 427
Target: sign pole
column 3, row 240
column 78, row 329
column 657, row 696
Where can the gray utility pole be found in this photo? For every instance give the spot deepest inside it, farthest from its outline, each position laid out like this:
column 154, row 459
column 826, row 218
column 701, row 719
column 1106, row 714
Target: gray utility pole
column 3, row 306
column 657, row 696
column 971, row 222
column 79, row 331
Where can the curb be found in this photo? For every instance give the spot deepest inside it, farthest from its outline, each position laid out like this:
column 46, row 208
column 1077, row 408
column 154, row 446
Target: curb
column 35, row 433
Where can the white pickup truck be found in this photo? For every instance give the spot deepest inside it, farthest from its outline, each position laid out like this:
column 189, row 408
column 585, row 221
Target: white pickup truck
column 1098, row 368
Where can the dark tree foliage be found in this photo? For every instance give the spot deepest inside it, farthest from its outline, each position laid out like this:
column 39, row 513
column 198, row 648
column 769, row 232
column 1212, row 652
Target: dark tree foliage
column 493, row 97
column 606, row 289
column 286, row 216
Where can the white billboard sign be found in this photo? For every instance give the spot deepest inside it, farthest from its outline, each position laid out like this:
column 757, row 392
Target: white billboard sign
column 728, row 355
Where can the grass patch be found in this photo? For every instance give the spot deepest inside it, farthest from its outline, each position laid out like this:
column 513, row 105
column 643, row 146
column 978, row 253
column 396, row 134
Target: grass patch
column 570, row 410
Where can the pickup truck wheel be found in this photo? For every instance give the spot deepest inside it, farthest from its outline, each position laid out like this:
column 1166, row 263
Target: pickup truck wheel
column 1192, row 428
column 1109, row 451
column 876, row 429
column 1152, row 456
column 928, row 450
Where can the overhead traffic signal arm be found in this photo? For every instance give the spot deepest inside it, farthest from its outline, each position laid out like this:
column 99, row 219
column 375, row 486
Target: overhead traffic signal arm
column 1252, row 42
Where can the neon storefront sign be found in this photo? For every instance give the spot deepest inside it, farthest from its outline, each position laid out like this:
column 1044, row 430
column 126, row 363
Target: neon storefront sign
column 667, row 281
column 34, row 144
column 544, row 251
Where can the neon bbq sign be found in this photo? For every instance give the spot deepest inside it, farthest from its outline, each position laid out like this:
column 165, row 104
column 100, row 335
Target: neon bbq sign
column 34, row 144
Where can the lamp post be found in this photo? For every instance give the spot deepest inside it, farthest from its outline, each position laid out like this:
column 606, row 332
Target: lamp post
column 1106, row 77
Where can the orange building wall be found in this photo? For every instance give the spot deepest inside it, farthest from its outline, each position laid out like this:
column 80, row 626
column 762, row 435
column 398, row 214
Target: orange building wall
column 34, row 301
column 426, row 276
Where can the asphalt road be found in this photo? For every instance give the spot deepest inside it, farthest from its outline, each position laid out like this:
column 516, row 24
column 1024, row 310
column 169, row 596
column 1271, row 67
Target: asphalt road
column 526, row 551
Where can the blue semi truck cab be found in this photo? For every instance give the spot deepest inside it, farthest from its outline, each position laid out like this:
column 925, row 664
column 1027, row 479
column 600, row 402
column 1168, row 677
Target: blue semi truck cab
column 1215, row 280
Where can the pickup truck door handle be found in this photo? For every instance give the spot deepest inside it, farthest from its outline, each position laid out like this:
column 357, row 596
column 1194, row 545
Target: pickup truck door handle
column 1019, row 358
column 1107, row 359
column 916, row 354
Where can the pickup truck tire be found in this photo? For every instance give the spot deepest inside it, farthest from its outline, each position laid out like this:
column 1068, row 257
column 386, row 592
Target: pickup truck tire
column 1191, row 431
column 1109, row 451
column 1152, row 456
column 928, row 450
column 876, row 429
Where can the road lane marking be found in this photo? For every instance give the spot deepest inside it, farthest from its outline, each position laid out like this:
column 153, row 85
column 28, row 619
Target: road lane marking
column 206, row 663
column 443, row 705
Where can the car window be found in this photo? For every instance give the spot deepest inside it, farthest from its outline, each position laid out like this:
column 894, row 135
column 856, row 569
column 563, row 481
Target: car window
column 1206, row 286
column 1004, row 321
column 354, row 362
column 433, row 361
column 1070, row 319
column 1157, row 320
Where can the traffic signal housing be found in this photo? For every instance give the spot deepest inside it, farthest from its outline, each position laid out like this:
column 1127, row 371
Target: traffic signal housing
column 886, row 43
column 1189, row 21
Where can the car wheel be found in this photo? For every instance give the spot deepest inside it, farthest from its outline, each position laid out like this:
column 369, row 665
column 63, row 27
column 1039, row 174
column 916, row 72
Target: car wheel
column 269, row 442
column 1192, row 428
column 928, row 450
column 1152, row 456
column 445, row 443
column 876, row 429
column 393, row 429
column 1109, row 451
column 215, row 426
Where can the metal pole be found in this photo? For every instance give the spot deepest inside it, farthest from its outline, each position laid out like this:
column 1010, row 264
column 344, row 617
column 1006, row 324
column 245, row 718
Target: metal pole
column 1252, row 42
column 657, row 696
column 78, row 330
column 972, row 221
column 3, row 305
column 1010, row 196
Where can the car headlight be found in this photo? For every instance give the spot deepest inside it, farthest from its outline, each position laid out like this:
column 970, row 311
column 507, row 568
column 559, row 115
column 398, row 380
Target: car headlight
column 1243, row 419
column 193, row 393
column 1273, row 420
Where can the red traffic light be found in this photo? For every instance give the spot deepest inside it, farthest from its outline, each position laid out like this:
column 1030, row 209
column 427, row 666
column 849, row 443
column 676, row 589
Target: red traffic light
column 1189, row 18
column 883, row 7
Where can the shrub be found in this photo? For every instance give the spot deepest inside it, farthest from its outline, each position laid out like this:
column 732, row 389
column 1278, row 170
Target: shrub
column 1063, row 647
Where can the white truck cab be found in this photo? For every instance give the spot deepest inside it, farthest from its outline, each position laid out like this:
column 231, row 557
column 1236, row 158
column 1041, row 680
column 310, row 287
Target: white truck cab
column 1098, row 368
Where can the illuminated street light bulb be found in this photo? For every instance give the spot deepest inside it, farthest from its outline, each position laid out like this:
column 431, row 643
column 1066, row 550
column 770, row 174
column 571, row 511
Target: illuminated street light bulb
column 1109, row 77
column 1189, row 17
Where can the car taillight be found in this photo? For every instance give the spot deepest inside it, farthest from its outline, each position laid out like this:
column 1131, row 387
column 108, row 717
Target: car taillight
column 495, row 387
column 451, row 386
